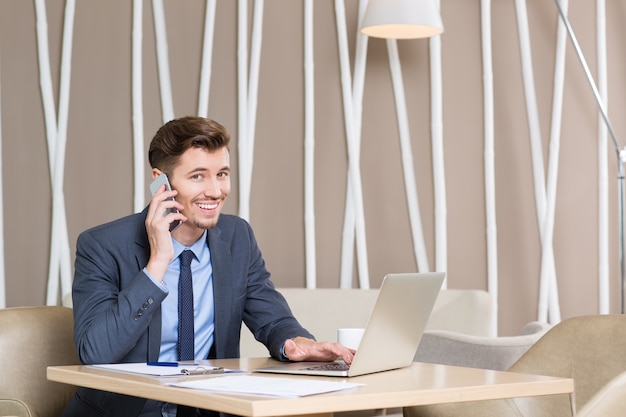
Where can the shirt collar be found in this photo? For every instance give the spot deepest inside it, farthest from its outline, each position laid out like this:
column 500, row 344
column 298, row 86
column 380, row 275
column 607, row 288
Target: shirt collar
column 196, row 247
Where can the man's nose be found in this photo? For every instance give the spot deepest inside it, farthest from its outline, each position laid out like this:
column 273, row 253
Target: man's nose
column 213, row 188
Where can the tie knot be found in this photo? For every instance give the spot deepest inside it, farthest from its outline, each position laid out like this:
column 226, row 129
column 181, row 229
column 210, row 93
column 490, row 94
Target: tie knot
column 186, row 257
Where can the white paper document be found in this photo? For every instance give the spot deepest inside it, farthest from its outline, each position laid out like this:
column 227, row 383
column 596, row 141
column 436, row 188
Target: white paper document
column 263, row 385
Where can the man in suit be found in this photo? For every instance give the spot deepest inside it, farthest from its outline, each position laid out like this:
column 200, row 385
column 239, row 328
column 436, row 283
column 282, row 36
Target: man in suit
column 125, row 289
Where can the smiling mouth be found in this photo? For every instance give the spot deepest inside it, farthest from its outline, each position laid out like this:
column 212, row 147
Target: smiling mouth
column 208, row 206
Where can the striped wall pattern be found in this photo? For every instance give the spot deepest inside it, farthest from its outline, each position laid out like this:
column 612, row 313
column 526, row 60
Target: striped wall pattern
column 353, row 69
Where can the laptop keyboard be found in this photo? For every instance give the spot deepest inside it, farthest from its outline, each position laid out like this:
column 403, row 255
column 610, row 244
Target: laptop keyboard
column 334, row 366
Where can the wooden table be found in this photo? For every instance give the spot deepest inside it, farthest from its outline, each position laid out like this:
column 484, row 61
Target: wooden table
column 418, row 384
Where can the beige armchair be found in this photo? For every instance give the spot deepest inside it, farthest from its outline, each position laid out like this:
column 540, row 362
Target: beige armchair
column 610, row 401
column 589, row 349
column 32, row 338
column 486, row 352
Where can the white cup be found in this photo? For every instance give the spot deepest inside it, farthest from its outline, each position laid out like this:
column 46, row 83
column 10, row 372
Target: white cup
column 350, row 337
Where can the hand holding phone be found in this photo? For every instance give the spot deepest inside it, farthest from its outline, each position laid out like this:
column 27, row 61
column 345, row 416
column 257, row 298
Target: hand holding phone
column 154, row 186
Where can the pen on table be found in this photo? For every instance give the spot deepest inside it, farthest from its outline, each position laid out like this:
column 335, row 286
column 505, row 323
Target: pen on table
column 162, row 363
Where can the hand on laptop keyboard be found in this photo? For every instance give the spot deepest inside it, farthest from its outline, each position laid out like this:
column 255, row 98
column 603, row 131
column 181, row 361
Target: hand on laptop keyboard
column 304, row 349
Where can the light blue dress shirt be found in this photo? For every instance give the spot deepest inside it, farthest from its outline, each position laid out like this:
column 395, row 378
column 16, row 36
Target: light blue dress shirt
column 203, row 305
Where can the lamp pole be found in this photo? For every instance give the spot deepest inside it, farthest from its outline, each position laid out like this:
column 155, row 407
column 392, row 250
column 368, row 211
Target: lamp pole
column 620, row 152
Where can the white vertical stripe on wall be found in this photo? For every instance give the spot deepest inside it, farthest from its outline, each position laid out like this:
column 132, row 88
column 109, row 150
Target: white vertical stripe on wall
column 489, row 158
column 248, row 90
column 137, row 104
column 548, row 270
column 354, row 169
column 49, row 108
column 59, row 217
column 242, row 106
column 439, row 174
column 350, row 212
column 167, row 106
column 536, row 148
column 3, row 296
column 207, row 59
column 253, row 87
column 45, row 80
column 358, row 78
column 531, row 111
column 603, row 190
column 59, row 235
column 309, row 148
column 349, row 223
column 545, row 187
column 56, row 134
column 417, row 232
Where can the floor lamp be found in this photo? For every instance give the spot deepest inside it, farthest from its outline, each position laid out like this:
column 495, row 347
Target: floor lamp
column 620, row 152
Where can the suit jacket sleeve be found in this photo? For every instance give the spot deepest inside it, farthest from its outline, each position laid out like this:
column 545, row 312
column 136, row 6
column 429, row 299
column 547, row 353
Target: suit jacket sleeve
column 244, row 292
column 114, row 301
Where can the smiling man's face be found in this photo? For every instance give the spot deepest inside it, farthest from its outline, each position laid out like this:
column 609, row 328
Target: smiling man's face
column 202, row 179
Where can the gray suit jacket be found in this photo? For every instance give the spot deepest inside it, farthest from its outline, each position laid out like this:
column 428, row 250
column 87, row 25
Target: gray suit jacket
column 117, row 306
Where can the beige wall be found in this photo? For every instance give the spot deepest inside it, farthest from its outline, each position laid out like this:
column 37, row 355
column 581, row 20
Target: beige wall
column 98, row 175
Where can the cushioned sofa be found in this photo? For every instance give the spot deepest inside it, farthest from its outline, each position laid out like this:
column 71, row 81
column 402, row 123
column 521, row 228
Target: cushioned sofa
column 460, row 331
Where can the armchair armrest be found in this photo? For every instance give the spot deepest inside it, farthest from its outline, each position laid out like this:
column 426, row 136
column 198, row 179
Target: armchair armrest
column 499, row 353
column 15, row 408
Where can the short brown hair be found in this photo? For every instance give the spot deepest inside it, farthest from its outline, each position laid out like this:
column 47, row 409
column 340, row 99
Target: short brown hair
column 179, row 135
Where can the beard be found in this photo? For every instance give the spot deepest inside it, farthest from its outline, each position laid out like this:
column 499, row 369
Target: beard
column 206, row 224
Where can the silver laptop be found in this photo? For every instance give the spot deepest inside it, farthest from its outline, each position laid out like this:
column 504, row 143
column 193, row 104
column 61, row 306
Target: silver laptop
column 393, row 331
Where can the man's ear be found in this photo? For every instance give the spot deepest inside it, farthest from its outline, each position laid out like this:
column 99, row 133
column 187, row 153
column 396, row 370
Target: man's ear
column 155, row 173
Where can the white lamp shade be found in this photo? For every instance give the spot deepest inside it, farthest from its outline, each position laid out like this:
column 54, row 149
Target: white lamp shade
column 402, row 19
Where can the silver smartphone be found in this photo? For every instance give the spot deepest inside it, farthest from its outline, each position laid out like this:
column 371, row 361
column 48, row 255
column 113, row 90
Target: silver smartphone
column 154, row 186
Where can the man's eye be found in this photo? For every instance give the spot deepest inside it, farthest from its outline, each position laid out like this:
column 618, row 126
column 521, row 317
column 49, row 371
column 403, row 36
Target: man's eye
column 222, row 175
column 196, row 177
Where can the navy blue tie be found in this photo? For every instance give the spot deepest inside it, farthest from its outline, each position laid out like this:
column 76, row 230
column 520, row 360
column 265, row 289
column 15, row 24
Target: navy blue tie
column 185, row 308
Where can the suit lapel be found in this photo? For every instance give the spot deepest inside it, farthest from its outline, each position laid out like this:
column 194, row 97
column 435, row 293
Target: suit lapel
column 142, row 252
column 222, row 289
